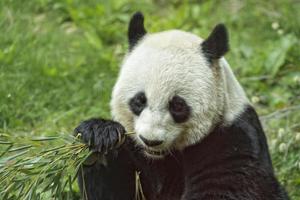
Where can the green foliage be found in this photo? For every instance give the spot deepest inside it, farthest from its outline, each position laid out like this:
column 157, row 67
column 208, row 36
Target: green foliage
column 277, row 57
column 41, row 170
column 59, row 60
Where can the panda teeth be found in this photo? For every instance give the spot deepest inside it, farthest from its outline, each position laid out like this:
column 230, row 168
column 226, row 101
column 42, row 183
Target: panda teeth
column 156, row 153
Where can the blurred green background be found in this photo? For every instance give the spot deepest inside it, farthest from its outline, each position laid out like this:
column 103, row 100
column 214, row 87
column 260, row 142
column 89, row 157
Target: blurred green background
column 59, row 60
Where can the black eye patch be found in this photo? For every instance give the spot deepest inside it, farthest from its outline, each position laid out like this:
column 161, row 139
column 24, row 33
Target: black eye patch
column 138, row 103
column 179, row 109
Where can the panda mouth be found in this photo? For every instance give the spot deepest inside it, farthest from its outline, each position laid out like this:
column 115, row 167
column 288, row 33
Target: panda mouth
column 155, row 153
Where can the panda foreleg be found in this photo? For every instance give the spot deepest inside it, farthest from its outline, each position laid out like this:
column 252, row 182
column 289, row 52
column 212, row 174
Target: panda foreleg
column 109, row 173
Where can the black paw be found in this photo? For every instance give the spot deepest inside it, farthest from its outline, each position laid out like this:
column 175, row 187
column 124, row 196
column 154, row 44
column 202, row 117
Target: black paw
column 101, row 135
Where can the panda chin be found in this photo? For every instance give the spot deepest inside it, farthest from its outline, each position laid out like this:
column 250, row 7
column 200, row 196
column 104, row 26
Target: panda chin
column 155, row 154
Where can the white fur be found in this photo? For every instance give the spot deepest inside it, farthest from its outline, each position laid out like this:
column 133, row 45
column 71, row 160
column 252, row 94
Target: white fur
column 171, row 63
column 235, row 96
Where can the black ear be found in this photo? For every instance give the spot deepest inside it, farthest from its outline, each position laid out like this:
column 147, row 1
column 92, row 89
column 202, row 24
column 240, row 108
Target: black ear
column 216, row 45
column 136, row 29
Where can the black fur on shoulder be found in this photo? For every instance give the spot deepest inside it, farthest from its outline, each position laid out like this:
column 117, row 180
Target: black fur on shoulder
column 217, row 43
column 232, row 163
column 136, row 29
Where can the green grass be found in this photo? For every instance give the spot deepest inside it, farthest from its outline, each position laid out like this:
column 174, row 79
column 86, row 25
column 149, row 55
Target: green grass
column 59, row 60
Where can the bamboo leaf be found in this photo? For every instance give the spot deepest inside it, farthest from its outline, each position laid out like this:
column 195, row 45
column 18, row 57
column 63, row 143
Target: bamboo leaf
column 44, row 138
column 20, row 148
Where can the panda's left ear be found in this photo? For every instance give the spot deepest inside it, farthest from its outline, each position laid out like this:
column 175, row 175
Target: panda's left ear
column 136, row 29
column 216, row 45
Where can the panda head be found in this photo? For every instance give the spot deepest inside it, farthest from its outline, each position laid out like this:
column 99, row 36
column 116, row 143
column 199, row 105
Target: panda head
column 172, row 88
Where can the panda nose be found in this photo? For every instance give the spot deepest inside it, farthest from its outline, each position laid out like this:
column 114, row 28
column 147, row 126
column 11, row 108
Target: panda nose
column 151, row 143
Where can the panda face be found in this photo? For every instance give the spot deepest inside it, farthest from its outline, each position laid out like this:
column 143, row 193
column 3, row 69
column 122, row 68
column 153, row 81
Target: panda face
column 166, row 92
column 174, row 87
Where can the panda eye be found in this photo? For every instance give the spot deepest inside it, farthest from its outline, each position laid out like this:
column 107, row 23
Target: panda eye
column 179, row 109
column 138, row 103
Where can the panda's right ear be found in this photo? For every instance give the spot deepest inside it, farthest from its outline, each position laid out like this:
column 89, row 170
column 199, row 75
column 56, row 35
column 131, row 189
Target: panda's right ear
column 136, row 29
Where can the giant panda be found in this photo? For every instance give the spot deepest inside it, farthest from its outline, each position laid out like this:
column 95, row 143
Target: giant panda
column 196, row 136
